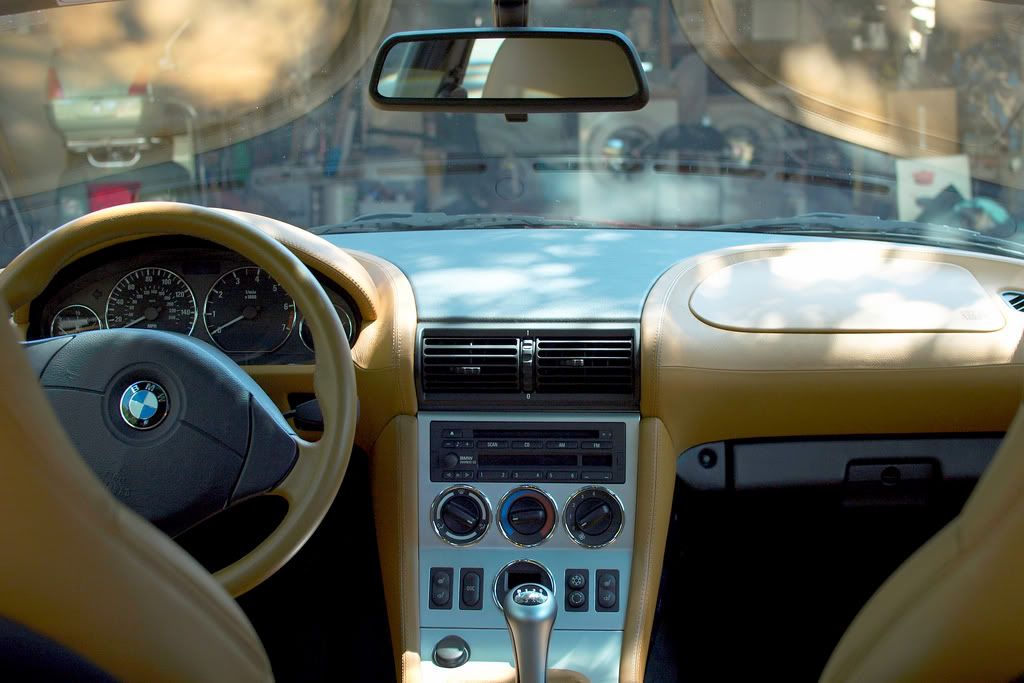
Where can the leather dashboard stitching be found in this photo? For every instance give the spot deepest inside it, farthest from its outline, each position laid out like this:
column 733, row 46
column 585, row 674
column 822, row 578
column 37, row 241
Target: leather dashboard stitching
column 389, row 271
column 295, row 246
column 401, row 546
column 650, row 512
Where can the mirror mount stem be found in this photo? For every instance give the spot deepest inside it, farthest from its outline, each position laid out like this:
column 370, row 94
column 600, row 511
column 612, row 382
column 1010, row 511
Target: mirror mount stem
column 511, row 13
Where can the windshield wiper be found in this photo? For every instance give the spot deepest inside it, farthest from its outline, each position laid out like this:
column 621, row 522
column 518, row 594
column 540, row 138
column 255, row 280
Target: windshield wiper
column 875, row 228
column 386, row 222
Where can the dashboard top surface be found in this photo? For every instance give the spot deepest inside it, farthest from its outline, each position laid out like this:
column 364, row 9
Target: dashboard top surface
column 539, row 274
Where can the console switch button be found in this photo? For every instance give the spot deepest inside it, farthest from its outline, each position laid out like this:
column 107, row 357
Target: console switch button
column 471, row 583
column 607, row 590
column 576, row 590
column 441, row 587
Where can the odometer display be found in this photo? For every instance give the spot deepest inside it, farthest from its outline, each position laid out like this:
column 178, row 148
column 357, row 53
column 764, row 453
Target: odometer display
column 247, row 311
column 152, row 299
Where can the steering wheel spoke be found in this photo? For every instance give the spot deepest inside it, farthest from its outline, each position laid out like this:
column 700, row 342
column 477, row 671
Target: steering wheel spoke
column 307, row 466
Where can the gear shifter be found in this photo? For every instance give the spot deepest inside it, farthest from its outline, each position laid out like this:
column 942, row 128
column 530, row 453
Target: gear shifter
column 530, row 611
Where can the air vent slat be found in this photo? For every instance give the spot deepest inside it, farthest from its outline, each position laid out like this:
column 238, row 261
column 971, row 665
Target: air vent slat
column 585, row 366
column 470, row 365
column 1014, row 300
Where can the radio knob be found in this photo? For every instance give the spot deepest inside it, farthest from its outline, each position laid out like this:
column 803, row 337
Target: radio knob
column 593, row 517
column 451, row 460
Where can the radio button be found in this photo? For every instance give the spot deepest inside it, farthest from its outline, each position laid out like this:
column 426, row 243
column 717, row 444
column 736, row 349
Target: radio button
column 597, row 476
column 492, row 444
column 448, row 443
column 492, row 476
column 451, row 433
column 605, row 434
column 464, row 444
column 561, row 444
column 563, row 476
column 464, row 474
column 448, row 476
column 519, row 445
column 527, row 475
column 595, row 445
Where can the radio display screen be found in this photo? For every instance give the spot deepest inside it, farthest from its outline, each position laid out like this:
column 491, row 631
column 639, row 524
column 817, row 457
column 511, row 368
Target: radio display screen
column 591, row 434
column 528, row 459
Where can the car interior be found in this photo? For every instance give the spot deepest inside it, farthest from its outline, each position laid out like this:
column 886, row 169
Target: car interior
column 578, row 341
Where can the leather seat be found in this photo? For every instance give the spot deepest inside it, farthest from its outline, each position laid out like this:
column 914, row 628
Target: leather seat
column 954, row 611
column 85, row 573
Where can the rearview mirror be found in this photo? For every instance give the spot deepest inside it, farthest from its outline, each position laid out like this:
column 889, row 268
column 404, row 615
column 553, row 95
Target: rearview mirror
column 510, row 71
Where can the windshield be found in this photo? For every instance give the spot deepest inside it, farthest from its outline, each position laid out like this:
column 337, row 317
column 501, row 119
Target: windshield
column 908, row 110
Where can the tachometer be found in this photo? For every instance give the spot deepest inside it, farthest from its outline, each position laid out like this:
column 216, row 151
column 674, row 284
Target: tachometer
column 247, row 311
column 74, row 319
column 152, row 299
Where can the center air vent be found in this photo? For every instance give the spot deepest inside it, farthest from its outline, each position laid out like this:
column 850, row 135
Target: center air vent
column 585, row 365
column 1014, row 300
column 471, row 365
column 595, row 366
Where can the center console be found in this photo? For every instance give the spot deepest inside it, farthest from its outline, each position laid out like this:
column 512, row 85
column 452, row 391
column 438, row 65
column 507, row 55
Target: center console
column 524, row 498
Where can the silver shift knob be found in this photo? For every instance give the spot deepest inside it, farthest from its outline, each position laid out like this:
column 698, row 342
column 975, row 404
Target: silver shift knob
column 530, row 611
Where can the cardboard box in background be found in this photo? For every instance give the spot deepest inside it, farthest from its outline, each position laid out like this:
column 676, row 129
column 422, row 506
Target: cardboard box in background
column 924, row 121
column 926, row 178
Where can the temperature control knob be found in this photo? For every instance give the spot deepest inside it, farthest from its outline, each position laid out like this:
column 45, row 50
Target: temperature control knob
column 460, row 515
column 527, row 516
column 593, row 517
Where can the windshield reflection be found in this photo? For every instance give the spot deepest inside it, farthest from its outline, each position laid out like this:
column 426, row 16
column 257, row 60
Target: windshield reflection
column 261, row 106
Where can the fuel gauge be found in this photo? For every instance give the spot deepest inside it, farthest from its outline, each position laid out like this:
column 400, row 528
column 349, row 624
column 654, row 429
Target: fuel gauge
column 74, row 319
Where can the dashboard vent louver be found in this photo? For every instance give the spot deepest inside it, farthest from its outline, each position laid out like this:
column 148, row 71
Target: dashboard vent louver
column 470, row 365
column 1014, row 300
column 585, row 365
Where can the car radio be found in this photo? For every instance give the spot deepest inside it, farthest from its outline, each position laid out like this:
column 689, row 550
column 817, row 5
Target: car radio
column 528, row 451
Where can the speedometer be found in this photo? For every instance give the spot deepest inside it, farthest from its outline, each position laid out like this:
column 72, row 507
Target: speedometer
column 152, row 299
column 247, row 311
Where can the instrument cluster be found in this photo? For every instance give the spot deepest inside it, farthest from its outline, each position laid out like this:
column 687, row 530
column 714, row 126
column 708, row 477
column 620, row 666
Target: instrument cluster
column 187, row 287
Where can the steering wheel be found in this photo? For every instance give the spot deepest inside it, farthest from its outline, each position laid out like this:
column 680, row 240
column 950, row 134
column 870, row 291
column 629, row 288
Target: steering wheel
column 171, row 425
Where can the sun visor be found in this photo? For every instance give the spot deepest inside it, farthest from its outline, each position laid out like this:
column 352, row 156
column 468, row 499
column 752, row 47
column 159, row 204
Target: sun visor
column 915, row 78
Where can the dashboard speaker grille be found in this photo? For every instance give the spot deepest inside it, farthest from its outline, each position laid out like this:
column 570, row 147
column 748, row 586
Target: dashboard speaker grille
column 470, row 364
column 1014, row 300
column 593, row 366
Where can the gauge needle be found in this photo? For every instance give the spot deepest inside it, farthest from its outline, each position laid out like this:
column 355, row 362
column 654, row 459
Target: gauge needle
column 229, row 323
column 150, row 314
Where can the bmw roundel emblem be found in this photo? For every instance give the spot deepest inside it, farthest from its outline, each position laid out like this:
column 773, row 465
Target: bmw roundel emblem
column 144, row 405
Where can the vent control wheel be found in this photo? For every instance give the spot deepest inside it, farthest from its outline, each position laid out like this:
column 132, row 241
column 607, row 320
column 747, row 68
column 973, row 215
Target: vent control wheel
column 460, row 515
column 593, row 517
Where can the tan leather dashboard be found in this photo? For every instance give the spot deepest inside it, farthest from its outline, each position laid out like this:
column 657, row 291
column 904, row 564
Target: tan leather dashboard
column 760, row 341
column 702, row 382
